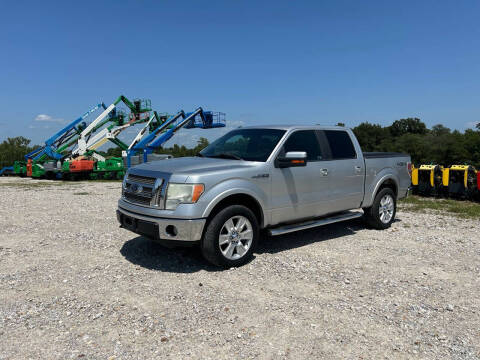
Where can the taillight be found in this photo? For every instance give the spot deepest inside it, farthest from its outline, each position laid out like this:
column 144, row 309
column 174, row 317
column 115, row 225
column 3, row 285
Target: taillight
column 409, row 168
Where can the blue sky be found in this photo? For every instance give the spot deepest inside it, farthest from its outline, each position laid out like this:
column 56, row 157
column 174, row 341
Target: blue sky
column 260, row 62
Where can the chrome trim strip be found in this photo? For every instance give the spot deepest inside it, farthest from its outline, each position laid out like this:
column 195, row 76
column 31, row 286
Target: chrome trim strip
column 315, row 223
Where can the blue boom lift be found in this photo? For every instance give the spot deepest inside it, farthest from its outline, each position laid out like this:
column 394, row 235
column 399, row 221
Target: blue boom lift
column 7, row 170
column 61, row 137
column 198, row 119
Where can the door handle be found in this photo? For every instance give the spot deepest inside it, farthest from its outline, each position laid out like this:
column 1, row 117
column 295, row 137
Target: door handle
column 358, row 169
column 324, row 172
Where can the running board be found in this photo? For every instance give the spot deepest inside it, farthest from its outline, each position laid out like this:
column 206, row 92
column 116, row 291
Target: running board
column 349, row 215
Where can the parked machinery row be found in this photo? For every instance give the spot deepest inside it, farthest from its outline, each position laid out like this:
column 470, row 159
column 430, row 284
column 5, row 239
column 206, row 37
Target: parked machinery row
column 72, row 153
column 456, row 181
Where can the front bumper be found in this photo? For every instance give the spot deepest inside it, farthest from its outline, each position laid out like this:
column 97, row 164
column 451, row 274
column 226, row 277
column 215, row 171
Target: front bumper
column 164, row 229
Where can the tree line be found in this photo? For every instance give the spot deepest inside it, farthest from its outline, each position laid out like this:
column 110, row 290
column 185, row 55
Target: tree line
column 175, row 150
column 14, row 149
column 438, row 145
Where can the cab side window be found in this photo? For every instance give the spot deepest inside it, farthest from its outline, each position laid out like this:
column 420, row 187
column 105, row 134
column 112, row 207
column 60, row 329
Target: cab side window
column 304, row 140
column 341, row 145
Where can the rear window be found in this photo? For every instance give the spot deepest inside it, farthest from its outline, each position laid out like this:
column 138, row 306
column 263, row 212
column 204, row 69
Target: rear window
column 341, row 145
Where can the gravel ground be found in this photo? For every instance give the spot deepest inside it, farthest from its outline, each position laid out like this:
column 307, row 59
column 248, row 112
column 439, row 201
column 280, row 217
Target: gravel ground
column 74, row 285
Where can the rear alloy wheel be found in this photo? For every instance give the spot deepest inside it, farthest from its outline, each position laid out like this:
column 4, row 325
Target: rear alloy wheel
column 382, row 212
column 230, row 237
column 386, row 209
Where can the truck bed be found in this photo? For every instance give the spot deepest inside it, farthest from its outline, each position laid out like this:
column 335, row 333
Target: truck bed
column 385, row 164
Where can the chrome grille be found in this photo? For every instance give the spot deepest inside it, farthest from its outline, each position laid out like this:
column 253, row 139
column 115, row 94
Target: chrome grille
column 137, row 199
column 141, row 179
column 143, row 190
column 146, row 191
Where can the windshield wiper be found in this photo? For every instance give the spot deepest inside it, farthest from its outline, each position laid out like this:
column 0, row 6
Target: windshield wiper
column 226, row 156
column 199, row 155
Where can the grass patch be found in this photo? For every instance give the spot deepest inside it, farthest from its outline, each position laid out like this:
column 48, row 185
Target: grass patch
column 81, row 193
column 462, row 209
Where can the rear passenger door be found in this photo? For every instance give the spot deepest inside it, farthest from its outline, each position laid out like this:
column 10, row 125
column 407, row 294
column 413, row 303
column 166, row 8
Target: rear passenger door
column 346, row 170
column 300, row 192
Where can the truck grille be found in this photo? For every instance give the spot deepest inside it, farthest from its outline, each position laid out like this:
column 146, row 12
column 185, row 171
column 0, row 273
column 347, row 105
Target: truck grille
column 141, row 190
column 141, row 179
column 136, row 199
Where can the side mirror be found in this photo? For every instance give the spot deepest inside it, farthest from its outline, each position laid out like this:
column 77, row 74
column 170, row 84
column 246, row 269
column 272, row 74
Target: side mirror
column 292, row 159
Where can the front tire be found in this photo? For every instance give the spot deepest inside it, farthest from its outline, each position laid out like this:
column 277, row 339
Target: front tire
column 231, row 237
column 383, row 210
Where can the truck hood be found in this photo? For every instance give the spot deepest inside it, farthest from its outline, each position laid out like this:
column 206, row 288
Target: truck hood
column 190, row 166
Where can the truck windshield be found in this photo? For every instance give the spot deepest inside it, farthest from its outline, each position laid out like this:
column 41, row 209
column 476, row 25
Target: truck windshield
column 244, row 144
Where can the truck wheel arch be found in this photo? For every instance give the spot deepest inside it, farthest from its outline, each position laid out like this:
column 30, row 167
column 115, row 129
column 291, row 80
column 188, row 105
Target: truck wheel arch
column 385, row 181
column 388, row 183
column 237, row 199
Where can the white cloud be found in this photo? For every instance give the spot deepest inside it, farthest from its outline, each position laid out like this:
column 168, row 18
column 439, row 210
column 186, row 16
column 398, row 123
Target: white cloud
column 471, row 124
column 43, row 117
column 48, row 118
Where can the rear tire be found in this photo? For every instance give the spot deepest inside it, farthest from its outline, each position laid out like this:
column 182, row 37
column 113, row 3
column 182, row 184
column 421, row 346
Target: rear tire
column 231, row 237
column 383, row 210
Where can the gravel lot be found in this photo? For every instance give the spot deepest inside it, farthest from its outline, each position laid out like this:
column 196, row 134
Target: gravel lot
column 74, row 285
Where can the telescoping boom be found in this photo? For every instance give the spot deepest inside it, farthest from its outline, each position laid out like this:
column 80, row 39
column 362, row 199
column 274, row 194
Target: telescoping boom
column 165, row 132
column 136, row 111
column 55, row 144
column 111, row 134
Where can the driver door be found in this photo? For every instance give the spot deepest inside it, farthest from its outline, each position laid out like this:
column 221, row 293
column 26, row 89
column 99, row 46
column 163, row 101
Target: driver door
column 300, row 192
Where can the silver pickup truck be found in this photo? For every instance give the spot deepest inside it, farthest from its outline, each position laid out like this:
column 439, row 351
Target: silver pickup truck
column 278, row 178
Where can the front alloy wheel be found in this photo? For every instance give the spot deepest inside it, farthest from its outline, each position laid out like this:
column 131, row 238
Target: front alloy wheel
column 230, row 236
column 235, row 237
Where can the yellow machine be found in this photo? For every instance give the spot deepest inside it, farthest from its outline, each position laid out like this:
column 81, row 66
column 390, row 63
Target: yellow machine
column 427, row 180
column 414, row 176
column 461, row 181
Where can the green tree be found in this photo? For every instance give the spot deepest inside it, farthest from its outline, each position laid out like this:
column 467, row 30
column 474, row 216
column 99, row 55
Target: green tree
column 114, row 152
column 182, row 151
column 439, row 145
column 370, row 136
column 14, row 149
column 202, row 143
column 440, row 130
column 408, row 126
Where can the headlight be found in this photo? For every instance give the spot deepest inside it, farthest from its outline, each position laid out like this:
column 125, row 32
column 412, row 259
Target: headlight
column 182, row 194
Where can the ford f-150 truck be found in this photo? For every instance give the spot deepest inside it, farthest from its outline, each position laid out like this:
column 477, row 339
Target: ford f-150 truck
column 278, row 178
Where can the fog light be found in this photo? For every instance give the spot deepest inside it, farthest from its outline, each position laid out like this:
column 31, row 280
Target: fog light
column 171, row 230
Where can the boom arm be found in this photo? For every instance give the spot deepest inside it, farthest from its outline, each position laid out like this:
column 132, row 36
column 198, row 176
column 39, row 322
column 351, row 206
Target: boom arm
column 108, row 134
column 58, row 139
column 148, row 144
column 142, row 132
column 168, row 134
column 95, row 124
column 139, row 143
